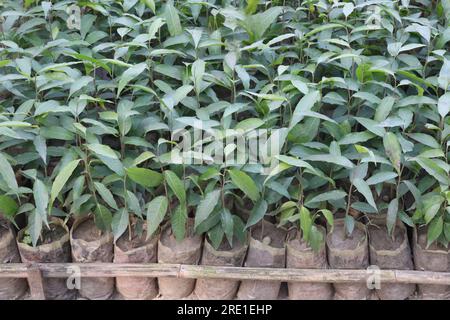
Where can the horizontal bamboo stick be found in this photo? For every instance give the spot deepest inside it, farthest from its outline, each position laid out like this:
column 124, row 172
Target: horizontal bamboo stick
column 63, row 270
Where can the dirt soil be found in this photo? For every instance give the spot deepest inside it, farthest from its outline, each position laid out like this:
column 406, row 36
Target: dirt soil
column 51, row 235
column 297, row 242
column 339, row 240
column 269, row 232
column 55, row 233
column 87, row 231
column 381, row 240
column 137, row 241
column 422, row 241
column 189, row 242
column 225, row 245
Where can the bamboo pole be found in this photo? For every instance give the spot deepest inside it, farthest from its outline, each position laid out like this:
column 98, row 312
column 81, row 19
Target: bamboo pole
column 63, row 270
column 35, row 282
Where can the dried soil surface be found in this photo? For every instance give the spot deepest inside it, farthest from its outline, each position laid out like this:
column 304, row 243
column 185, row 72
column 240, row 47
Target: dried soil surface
column 339, row 240
column 87, row 231
column 381, row 240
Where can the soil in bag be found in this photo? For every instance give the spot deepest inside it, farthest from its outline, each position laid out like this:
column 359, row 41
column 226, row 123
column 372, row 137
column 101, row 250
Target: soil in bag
column 52, row 247
column 137, row 250
column 348, row 252
column 434, row 258
column 10, row 288
column 300, row 255
column 220, row 289
column 390, row 252
column 266, row 249
column 89, row 244
column 186, row 251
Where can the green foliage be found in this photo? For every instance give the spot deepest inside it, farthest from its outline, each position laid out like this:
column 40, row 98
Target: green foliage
column 358, row 99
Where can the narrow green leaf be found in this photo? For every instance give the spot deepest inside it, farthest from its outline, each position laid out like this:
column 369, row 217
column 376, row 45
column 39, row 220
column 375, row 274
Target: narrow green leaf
column 40, row 194
column 119, row 223
column 364, row 189
column 176, row 185
column 7, row 173
column 145, row 177
column 391, row 217
column 257, row 213
column 106, row 195
column 172, row 20
column 206, row 206
column 245, row 184
column 129, row 75
column 61, row 180
column 393, row 149
column 8, row 207
column 103, row 218
column 178, row 221
column 156, row 212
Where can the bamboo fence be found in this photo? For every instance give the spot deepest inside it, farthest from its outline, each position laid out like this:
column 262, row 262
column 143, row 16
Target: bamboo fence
column 36, row 272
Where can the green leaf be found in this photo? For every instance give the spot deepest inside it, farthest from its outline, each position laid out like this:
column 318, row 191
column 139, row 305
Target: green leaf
column 444, row 105
column 329, row 217
column 7, row 173
column 383, row 109
column 8, row 207
column 435, row 229
column 316, row 238
column 305, row 223
column 244, row 183
column 206, row 206
column 198, row 70
column 34, row 227
column 144, row 156
column 391, row 217
column 178, row 221
column 252, row 5
column 145, row 177
column 381, row 177
column 120, row 223
column 40, row 194
column 331, row 158
column 41, row 147
column 372, row 126
column 257, row 213
column 106, row 195
column 227, row 225
column 433, row 169
column 150, row 4
column 172, row 20
column 327, row 196
column 249, row 124
column 239, row 229
column 215, row 235
column 364, row 189
column 303, row 106
column 393, row 149
column 103, row 217
column 156, row 212
column 349, row 223
column 176, row 185
column 258, row 24
column 103, row 150
column 425, row 139
column 61, row 180
column 129, row 75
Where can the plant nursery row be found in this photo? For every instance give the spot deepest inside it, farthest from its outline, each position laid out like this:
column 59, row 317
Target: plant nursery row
column 302, row 134
column 267, row 246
